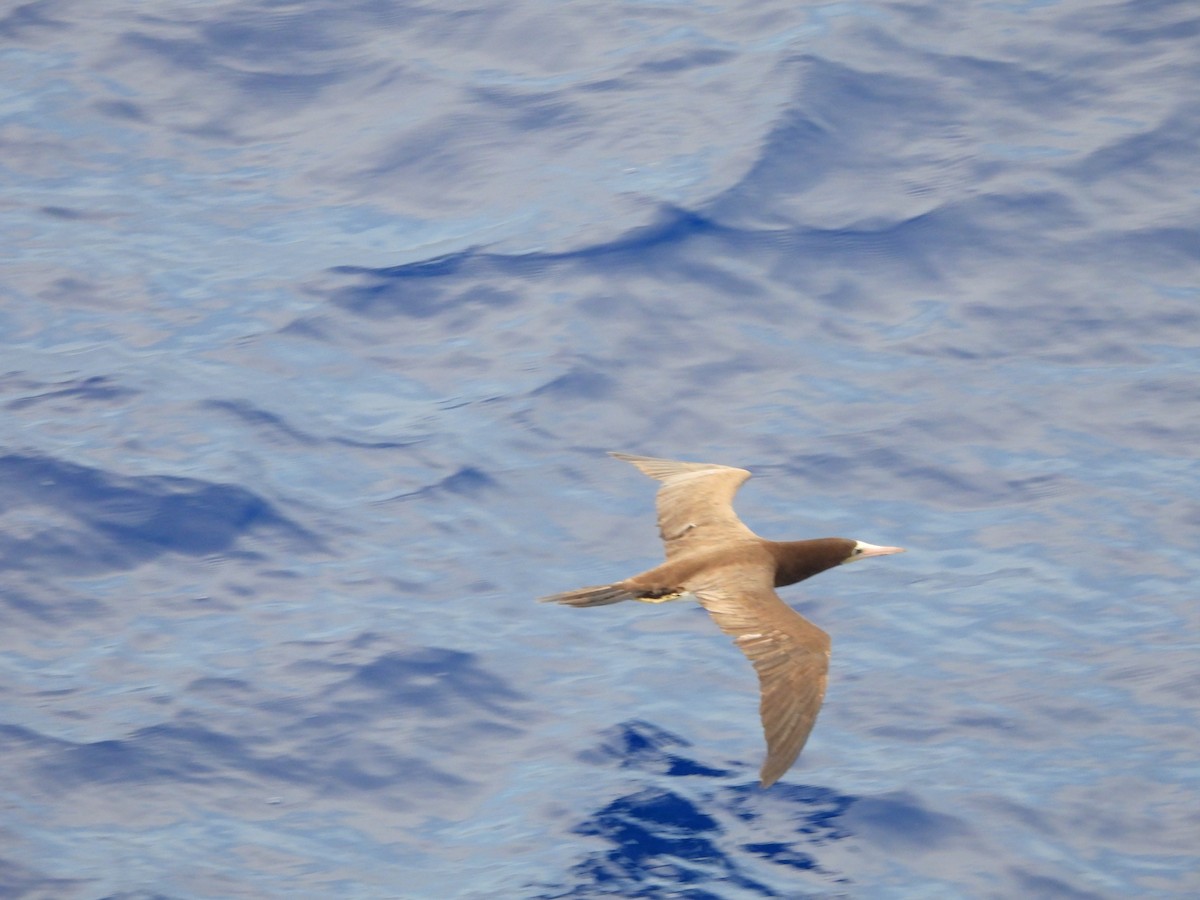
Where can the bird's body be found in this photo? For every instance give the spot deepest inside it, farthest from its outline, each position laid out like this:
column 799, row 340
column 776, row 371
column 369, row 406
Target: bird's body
column 733, row 573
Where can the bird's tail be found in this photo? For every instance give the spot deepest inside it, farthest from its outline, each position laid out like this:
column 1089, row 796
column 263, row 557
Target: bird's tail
column 600, row 595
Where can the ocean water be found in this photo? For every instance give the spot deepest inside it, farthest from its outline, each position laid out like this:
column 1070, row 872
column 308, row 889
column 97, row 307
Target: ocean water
column 316, row 320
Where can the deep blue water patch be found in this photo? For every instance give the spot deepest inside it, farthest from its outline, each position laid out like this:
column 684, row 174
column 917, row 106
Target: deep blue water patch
column 122, row 522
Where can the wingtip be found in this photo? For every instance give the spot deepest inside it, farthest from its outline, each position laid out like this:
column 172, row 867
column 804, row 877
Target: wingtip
column 638, row 461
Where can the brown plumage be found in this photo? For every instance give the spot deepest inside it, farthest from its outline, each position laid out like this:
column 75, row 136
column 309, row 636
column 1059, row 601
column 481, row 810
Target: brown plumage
column 733, row 573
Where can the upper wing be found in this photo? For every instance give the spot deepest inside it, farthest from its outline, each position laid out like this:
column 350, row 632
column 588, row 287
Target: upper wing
column 790, row 654
column 695, row 502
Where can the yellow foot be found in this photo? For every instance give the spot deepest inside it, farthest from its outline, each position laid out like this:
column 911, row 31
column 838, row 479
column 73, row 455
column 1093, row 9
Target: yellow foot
column 660, row 598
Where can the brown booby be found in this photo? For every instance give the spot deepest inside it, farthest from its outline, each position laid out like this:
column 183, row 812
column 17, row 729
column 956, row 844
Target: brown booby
column 732, row 572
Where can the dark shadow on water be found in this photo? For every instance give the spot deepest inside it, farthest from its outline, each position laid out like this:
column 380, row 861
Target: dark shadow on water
column 700, row 831
column 672, row 225
column 96, row 389
column 680, row 247
column 433, row 679
column 579, row 383
column 432, row 287
column 98, row 521
column 647, row 748
column 18, row 880
column 273, row 428
column 898, row 823
column 658, row 839
column 690, row 841
column 397, row 729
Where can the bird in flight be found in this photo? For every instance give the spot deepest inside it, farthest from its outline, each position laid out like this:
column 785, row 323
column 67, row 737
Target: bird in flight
column 713, row 557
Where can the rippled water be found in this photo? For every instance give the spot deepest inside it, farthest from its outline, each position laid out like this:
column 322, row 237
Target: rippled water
column 317, row 320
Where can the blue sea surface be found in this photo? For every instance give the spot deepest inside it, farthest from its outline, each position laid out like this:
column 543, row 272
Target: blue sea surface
column 317, row 318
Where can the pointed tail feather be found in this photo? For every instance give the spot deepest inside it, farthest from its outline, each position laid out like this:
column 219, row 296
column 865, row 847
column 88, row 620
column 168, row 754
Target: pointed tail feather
column 600, row 595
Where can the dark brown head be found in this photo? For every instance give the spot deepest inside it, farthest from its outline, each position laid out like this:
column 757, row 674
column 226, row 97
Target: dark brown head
column 797, row 560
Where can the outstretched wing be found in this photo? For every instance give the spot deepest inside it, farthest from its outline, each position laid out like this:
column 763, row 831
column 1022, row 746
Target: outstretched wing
column 695, row 503
column 790, row 654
